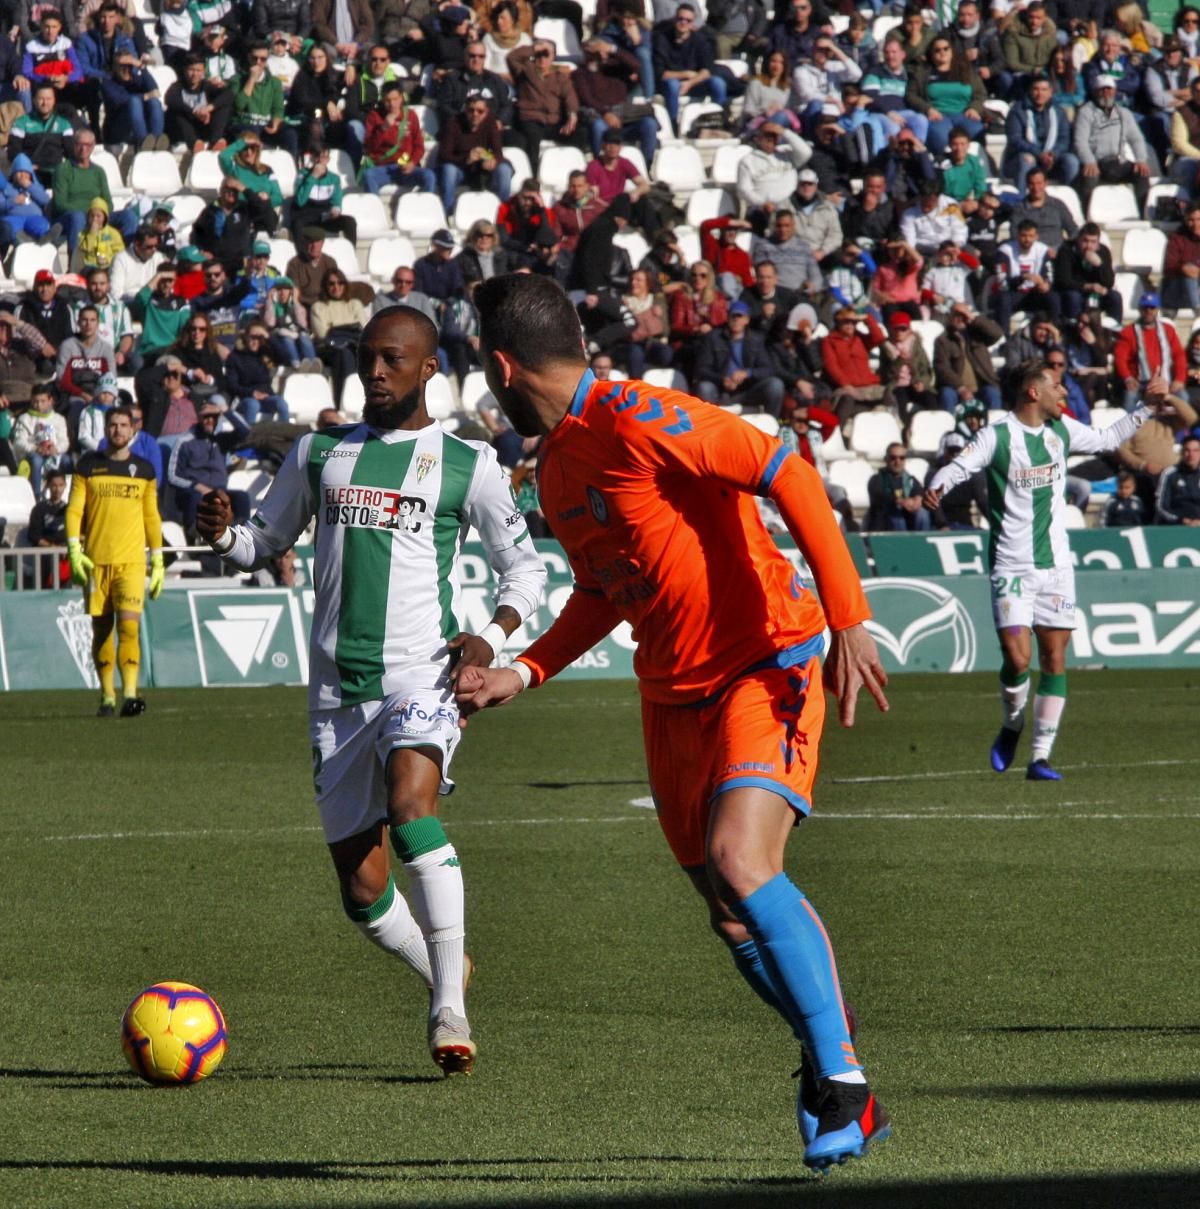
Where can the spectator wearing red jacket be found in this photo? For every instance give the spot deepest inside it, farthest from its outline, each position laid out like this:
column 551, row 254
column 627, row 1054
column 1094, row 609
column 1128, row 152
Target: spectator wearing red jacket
column 845, row 356
column 1146, row 349
column 576, row 210
column 718, row 245
column 520, row 220
column 395, row 146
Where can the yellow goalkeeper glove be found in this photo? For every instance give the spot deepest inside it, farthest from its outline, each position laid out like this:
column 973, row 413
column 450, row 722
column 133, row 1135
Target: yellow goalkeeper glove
column 157, row 573
column 81, row 565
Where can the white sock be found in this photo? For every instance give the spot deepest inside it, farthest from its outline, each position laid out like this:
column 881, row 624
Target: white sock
column 1047, row 710
column 1012, row 700
column 850, row 1076
column 394, row 930
column 436, row 885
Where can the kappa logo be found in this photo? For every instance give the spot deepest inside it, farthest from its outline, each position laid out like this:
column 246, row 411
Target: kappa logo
column 921, row 625
column 75, row 626
column 244, row 633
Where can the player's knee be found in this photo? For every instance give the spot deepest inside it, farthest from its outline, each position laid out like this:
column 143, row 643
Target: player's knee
column 406, row 805
column 362, row 890
column 737, row 872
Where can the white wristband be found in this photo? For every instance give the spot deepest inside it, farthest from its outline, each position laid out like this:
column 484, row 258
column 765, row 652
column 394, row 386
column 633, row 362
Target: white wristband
column 524, row 671
column 494, row 636
column 225, row 542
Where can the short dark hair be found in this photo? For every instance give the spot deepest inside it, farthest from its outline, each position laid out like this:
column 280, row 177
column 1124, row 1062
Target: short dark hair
column 168, row 266
column 412, row 316
column 83, row 310
column 1027, row 224
column 530, row 318
column 1090, row 228
column 959, row 132
column 1026, row 374
column 190, row 60
column 42, row 85
column 121, row 410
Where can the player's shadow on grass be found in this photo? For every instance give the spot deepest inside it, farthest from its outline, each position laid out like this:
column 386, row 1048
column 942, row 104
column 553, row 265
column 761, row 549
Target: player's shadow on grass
column 1174, row 1092
column 113, row 1080
column 1158, row 1030
column 1146, row 1191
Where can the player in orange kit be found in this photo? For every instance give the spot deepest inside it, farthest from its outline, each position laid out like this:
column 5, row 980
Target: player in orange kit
column 650, row 493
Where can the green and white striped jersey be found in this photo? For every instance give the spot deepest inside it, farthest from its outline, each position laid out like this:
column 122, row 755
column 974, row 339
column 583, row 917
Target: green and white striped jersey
column 1026, row 472
column 392, row 507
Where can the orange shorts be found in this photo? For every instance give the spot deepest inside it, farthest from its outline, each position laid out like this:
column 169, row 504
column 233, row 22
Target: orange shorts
column 763, row 730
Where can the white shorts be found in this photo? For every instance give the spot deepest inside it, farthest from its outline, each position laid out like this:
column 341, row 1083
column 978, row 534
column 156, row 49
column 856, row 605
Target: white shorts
column 351, row 746
column 1034, row 598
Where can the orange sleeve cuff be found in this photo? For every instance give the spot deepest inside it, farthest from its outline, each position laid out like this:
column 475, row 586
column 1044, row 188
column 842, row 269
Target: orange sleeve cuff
column 586, row 618
column 798, row 493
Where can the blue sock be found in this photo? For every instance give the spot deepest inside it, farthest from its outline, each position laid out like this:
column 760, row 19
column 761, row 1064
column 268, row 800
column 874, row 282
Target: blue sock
column 750, row 966
column 798, row 960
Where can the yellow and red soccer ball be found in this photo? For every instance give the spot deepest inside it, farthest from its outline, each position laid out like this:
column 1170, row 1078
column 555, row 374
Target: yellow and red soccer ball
column 173, row 1033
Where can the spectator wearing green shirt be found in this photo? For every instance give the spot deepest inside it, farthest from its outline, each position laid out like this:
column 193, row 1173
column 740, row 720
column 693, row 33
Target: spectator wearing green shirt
column 262, row 194
column 258, row 103
column 318, row 200
column 161, row 312
column 76, row 182
column 964, row 177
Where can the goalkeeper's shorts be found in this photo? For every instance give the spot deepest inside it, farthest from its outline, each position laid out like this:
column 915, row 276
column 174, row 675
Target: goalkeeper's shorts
column 762, row 732
column 351, row 746
column 115, row 588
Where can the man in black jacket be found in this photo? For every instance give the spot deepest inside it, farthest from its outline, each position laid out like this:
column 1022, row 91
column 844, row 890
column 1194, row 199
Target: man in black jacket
column 1083, row 275
column 50, row 314
column 455, row 88
column 591, row 269
column 1179, row 488
column 224, row 229
column 733, row 366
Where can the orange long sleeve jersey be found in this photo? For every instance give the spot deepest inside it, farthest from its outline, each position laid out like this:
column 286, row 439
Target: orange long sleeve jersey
column 650, row 492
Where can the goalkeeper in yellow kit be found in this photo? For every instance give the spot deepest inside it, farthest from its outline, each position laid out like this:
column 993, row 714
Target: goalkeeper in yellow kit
column 114, row 509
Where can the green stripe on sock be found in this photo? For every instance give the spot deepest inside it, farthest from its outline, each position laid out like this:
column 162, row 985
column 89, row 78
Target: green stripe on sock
column 367, row 915
column 414, row 839
column 1012, row 679
column 1052, row 684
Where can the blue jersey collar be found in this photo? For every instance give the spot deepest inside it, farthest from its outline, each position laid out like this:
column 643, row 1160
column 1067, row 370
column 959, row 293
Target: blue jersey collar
column 581, row 392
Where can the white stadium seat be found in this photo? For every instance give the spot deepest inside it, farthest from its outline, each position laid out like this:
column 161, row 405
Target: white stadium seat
column 852, row 475
column 562, row 34
column 439, row 397
column 522, row 169
column 369, row 213
column 763, row 422
column 928, row 428
column 30, row 258
column 1144, row 250
column 418, row 215
column 872, row 432
column 105, row 159
column 155, row 173
column 282, row 252
column 556, row 164
column 474, row 391
column 343, row 251
column 387, row 255
column 1129, row 286
column 186, row 208
column 343, row 168
column 16, row 503
column 1102, row 417
column 1113, row 204
column 680, row 167
column 283, row 167
column 708, row 203
column 927, row 330
column 473, row 206
column 204, row 175
column 1069, row 198
column 666, row 377
column 634, row 243
column 1074, row 518
column 307, row 395
column 353, row 398
column 725, row 162
column 163, row 76
column 691, row 113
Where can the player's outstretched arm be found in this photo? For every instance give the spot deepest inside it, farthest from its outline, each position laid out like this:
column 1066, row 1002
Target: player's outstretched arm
column 479, row 688
column 853, row 664
column 214, row 515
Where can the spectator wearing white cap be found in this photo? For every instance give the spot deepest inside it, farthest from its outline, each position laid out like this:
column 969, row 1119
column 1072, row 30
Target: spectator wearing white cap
column 817, row 221
column 1104, row 133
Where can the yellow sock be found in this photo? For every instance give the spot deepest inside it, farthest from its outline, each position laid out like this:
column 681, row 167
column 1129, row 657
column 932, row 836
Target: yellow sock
column 130, row 655
column 102, row 653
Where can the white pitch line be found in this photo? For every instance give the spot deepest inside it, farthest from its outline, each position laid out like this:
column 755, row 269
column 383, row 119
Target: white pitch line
column 971, row 772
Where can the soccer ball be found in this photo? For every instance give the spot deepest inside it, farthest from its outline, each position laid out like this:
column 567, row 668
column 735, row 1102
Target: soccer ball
column 173, row 1033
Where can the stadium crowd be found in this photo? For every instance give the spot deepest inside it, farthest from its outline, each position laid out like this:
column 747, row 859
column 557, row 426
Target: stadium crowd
column 867, row 256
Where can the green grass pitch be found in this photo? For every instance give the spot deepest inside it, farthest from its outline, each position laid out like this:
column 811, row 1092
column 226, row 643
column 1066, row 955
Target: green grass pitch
column 1022, row 958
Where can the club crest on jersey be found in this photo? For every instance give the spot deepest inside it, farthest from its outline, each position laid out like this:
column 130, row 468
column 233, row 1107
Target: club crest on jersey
column 425, row 463
column 599, row 506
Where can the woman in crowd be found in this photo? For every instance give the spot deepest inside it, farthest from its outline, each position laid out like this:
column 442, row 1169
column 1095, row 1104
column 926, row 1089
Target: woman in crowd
column 317, row 102
column 482, row 256
column 204, row 368
column 337, row 324
column 286, row 319
column 648, row 340
column 504, row 36
column 1066, row 82
column 243, row 161
column 948, row 91
column 696, row 310
column 248, row 371
column 769, row 96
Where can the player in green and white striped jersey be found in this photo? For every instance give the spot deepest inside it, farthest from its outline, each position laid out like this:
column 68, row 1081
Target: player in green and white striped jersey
column 1024, row 456
column 393, row 497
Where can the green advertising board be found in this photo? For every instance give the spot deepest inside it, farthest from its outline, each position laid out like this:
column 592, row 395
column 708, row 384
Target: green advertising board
column 206, row 634
column 964, row 552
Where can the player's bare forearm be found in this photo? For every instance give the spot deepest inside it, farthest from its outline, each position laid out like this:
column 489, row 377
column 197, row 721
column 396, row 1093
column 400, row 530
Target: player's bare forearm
column 214, row 515
column 479, row 650
column 853, row 664
column 484, row 688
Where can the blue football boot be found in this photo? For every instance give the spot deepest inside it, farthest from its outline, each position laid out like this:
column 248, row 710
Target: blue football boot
column 1004, row 748
column 1040, row 770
